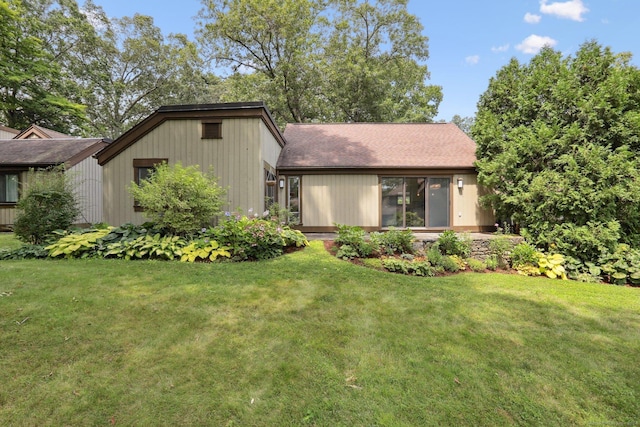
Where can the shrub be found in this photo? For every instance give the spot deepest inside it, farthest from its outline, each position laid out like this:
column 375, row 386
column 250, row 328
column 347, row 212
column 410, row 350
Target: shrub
column 523, row 254
column 49, row 204
column 491, row 263
column 450, row 243
column 418, row 268
column 147, row 246
column 500, row 246
column 476, row 265
column 354, row 236
column 552, row 266
column 450, row 264
column 347, row 252
column 25, row 252
column 77, row 245
column 622, row 266
column 434, row 256
column 393, row 241
column 249, row 238
column 181, row 199
column 203, row 250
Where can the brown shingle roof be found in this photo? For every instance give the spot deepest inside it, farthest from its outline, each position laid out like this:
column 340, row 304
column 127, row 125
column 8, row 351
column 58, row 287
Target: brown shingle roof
column 376, row 145
column 35, row 131
column 45, row 152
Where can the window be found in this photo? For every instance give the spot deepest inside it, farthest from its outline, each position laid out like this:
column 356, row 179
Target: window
column 293, row 198
column 421, row 202
column 142, row 169
column 8, row 187
column 212, row 130
column 269, row 187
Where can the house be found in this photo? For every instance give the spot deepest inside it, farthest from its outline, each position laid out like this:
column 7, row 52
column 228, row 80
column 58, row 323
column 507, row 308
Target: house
column 41, row 148
column 240, row 141
column 375, row 175
column 381, row 175
column 8, row 133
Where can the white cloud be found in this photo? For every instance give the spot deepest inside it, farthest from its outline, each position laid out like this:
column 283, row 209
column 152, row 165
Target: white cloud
column 503, row 48
column 472, row 60
column 573, row 9
column 534, row 43
column 531, row 18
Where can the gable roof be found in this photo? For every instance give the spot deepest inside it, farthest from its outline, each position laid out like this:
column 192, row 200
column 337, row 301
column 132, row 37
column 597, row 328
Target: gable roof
column 35, row 131
column 376, row 146
column 195, row 111
column 37, row 152
column 8, row 131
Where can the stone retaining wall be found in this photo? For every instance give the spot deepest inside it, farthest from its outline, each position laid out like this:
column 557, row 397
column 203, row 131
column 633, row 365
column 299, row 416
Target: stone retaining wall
column 479, row 244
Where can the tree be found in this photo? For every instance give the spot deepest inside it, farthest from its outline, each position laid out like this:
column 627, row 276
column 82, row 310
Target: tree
column 180, row 199
column 49, row 204
column 557, row 145
column 32, row 83
column 323, row 60
column 464, row 123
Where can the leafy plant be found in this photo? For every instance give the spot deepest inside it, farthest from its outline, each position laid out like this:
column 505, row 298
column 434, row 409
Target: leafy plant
column 476, row 265
column 355, row 237
column 251, row 238
column 49, row 204
column 622, row 266
column 77, row 245
column 181, row 199
column 393, row 241
column 416, row 267
column 347, row 252
column 25, row 252
column 500, row 246
column 204, row 250
column 450, row 243
column 523, row 254
column 491, row 263
column 147, row 246
column 552, row 266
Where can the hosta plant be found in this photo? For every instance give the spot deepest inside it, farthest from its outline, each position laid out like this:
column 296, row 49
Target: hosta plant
column 204, row 250
column 552, row 266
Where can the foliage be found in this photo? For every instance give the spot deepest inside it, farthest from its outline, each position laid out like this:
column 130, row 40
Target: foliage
column 476, row 265
column 434, row 255
column 415, row 267
column 323, row 60
column 147, row 246
column 204, row 250
column 500, row 246
column 551, row 265
column 355, row 237
column 622, row 266
column 393, row 241
column 32, row 81
column 24, row 252
column 180, row 199
column 450, row 263
column 49, row 203
column 347, row 252
column 523, row 254
column 464, row 123
column 491, row 262
column 254, row 238
column 557, row 146
column 450, row 243
column 461, row 263
column 77, row 245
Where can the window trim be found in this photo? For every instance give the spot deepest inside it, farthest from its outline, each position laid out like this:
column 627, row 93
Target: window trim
column 216, row 134
column 299, row 212
column 143, row 164
column 17, row 175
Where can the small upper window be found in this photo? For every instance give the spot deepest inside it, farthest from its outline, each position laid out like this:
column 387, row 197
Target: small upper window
column 212, row 130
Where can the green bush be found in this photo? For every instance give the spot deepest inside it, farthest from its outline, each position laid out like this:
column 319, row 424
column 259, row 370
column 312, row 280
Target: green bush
column 434, row 256
column 622, row 266
column 476, row 265
column 355, row 237
column 147, row 246
column 523, row 254
column 450, row 264
column 49, row 204
column 417, row 268
column 181, row 199
column 500, row 246
column 25, row 252
column 347, row 252
column 249, row 238
column 393, row 241
column 450, row 243
column 491, row 263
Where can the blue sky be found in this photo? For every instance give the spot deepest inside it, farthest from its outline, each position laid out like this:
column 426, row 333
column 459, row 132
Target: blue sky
column 469, row 40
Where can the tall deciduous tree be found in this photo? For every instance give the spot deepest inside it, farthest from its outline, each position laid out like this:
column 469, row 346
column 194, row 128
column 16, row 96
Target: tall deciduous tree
column 32, row 82
column 323, row 60
column 558, row 144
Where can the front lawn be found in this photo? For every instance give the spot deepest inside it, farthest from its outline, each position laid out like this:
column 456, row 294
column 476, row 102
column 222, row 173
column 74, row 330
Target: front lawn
column 307, row 339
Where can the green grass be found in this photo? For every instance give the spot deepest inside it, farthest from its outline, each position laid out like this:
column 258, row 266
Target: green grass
column 9, row 241
column 307, row 339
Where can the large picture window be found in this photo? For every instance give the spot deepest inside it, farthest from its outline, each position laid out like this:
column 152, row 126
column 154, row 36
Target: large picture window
column 9, row 187
column 416, row 202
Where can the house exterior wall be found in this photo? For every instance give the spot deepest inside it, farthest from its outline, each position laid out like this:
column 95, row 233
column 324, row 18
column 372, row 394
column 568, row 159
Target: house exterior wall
column 4, row 134
column 468, row 215
column 342, row 199
column 87, row 180
column 355, row 199
column 8, row 212
column 237, row 159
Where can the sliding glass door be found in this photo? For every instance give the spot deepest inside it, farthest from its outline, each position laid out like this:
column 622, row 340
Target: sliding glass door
column 410, row 202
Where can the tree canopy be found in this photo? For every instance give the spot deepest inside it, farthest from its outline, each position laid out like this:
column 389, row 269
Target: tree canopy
column 558, row 141
column 323, row 60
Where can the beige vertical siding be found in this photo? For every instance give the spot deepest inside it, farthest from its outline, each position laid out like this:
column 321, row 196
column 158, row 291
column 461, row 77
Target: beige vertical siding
column 237, row 160
column 466, row 208
column 87, row 178
column 343, row 199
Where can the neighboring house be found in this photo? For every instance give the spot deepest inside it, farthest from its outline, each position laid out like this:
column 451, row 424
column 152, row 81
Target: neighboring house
column 381, row 175
column 239, row 140
column 40, row 148
column 8, row 133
